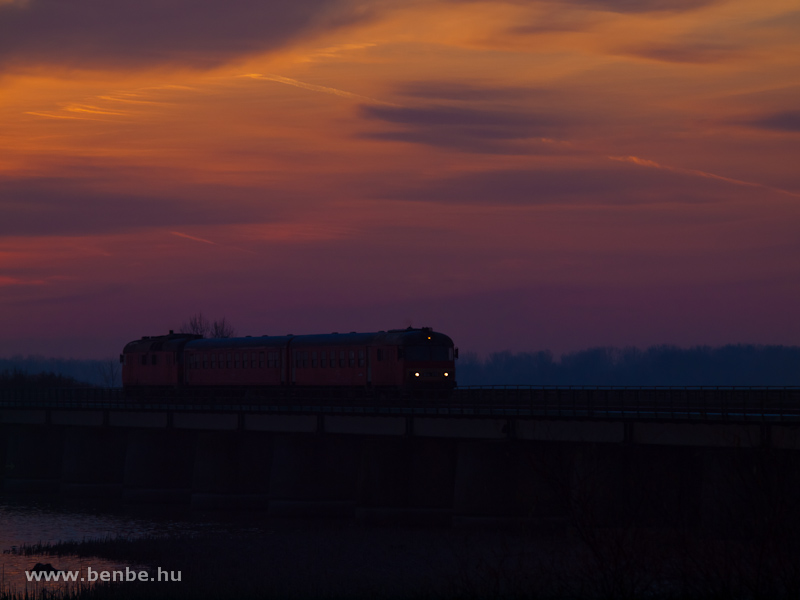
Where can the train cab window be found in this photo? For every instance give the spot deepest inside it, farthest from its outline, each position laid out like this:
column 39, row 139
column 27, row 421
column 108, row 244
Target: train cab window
column 314, row 359
column 360, row 358
column 379, row 354
column 341, row 358
column 400, row 353
column 322, row 359
column 144, row 359
column 154, row 359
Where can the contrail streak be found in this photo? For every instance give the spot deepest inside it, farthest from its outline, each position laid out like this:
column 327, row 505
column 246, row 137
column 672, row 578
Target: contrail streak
column 205, row 241
column 315, row 88
column 643, row 162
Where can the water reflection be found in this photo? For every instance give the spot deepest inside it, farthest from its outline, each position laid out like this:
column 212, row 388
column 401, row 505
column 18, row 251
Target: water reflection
column 36, row 520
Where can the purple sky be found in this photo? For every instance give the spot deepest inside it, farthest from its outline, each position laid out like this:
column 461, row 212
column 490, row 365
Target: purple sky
column 519, row 175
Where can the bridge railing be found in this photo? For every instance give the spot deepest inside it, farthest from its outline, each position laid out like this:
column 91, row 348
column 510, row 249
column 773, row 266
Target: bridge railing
column 552, row 402
column 668, row 403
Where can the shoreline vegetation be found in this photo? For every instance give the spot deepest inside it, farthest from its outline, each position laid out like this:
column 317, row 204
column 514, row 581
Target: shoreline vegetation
column 340, row 560
column 663, row 365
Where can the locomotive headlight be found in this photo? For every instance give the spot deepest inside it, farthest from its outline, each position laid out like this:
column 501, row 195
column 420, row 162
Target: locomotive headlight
column 446, row 374
column 416, row 374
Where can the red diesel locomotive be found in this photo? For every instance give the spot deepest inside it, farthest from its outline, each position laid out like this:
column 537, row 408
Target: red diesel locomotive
column 398, row 359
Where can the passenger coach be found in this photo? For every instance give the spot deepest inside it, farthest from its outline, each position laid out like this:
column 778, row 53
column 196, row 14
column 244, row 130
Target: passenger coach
column 398, row 359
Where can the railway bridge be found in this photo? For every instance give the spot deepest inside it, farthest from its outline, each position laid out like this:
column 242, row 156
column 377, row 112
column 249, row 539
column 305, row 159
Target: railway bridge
column 687, row 457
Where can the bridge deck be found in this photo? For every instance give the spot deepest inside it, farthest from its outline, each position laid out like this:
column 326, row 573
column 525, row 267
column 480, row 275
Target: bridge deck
column 709, row 404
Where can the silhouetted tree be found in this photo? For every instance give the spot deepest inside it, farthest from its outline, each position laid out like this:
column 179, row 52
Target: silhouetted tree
column 108, row 372
column 199, row 325
column 222, row 329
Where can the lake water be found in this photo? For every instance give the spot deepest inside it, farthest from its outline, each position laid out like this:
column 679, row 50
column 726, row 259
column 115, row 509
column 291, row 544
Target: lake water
column 338, row 556
column 29, row 521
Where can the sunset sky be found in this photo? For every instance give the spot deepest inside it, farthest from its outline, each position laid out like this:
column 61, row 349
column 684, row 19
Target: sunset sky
column 520, row 175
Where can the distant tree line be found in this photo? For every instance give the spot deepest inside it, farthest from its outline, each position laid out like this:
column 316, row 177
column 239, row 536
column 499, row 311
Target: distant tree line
column 17, row 379
column 86, row 372
column 745, row 365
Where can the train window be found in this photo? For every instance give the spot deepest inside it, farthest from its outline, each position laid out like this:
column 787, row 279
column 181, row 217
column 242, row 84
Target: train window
column 144, row 359
column 400, row 353
column 253, row 363
column 213, row 361
column 305, row 358
column 221, row 361
column 314, row 359
column 230, row 360
column 429, row 353
column 245, row 360
column 360, row 358
column 205, row 361
column 154, row 359
column 341, row 358
column 322, row 359
column 261, row 360
column 379, row 354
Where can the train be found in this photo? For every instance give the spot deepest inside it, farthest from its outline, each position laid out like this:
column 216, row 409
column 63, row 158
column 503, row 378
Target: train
column 397, row 360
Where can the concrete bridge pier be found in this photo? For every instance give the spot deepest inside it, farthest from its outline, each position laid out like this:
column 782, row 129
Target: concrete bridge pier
column 314, row 475
column 231, row 470
column 406, row 480
column 158, row 466
column 750, row 493
column 601, row 485
column 509, row 481
column 665, row 486
column 93, row 462
column 32, row 459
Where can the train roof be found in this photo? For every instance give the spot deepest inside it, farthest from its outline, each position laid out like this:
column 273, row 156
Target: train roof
column 392, row 337
column 172, row 342
column 263, row 341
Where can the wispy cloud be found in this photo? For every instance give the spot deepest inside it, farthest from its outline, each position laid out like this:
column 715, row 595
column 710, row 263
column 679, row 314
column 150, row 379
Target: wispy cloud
column 196, row 239
column 316, row 88
column 55, row 116
column 94, row 110
column 205, row 241
column 90, row 34
column 643, row 162
column 14, row 281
